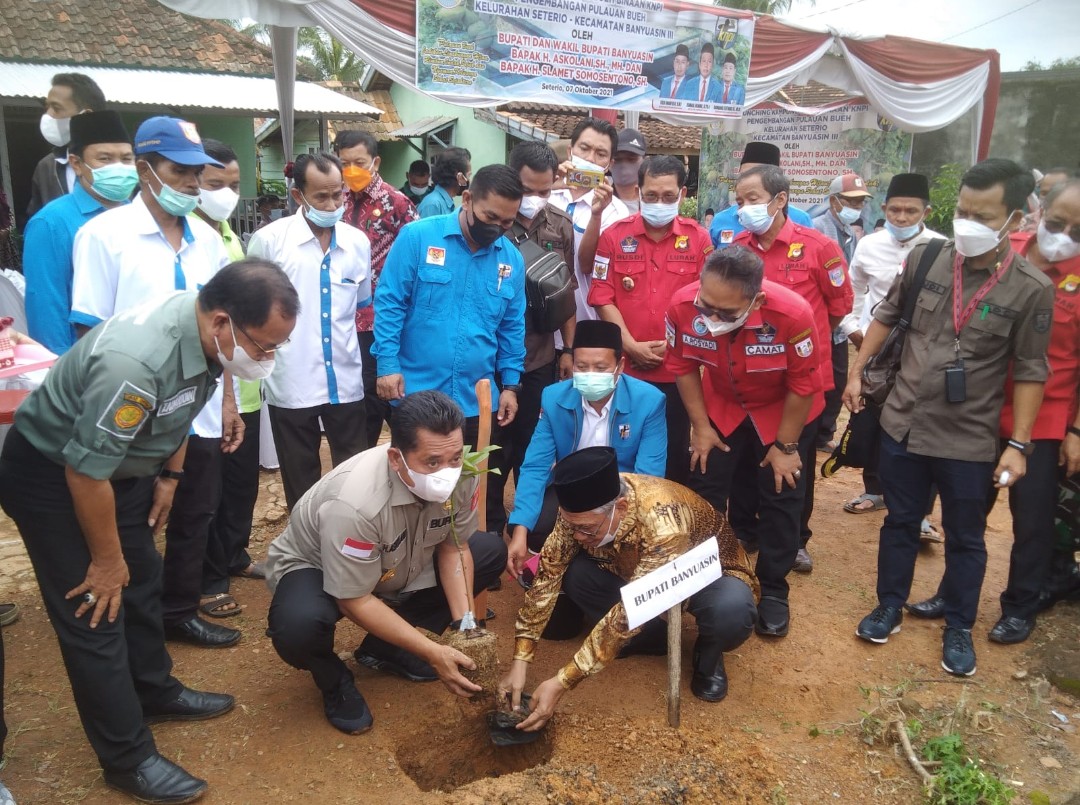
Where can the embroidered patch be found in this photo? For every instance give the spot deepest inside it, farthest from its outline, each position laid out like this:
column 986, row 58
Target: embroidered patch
column 831, row 262
column 669, row 332
column 700, row 343
column 682, row 243
column 1042, row 320
column 629, row 245
column 765, row 349
column 699, row 325
column 127, row 411
column 436, row 256
column 600, row 267
column 836, row 276
column 357, row 549
column 1070, row 284
column 397, row 541
column 800, row 336
column 505, row 270
column 805, row 348
column 438, row 522
column 624, row 431
column 795, row 251
column 475, row 500
column 178, row 400
column 190, row 131
column 766, row 334
column 727, row 235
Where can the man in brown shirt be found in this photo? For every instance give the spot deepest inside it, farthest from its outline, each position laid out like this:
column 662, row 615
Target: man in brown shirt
column 613, row 529
column 981, row 310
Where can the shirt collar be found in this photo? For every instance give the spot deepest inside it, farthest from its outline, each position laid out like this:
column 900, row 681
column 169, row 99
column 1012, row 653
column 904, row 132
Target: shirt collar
column 785, row 235
column 604, row 411
column 452, row 228
column 300, row 232
column 84, row 201
column 192, row 358
column 374, row 190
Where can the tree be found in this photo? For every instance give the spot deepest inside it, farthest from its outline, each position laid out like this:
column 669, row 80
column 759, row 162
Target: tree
column 1057, row 64
column 330, row 59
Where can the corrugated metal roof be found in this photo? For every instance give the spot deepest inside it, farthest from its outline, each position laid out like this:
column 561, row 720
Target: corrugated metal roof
column 423, row 126
column 177, row 91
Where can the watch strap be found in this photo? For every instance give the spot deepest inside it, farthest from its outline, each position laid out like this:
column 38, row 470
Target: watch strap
column 1075, row 431
column 788, row 448
column 172, row 475
column 1024, row 448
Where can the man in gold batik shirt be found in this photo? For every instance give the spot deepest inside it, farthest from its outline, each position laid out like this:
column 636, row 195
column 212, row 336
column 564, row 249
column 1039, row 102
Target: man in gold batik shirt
column 613, row 529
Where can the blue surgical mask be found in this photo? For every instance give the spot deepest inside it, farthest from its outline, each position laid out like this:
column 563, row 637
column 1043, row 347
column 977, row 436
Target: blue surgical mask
column 594, row 386
column 849, row 215
column 326, row 220
column 756, row 217
column 173, row 201
column 903, row 233
column 659, row 214
column 114, row 182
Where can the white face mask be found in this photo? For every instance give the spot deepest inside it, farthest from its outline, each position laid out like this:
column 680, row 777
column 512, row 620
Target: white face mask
column 756, row 217
column 1056, row 246
column 609, row 537
column 218, row 204
column 974, row 239
column 584, row 164
column 418, row 190
column 721, row 327
column 531, row 205
column 849, row 215
column 659, row 214
column 56, row 131
column 436, row 487
column 241, row 364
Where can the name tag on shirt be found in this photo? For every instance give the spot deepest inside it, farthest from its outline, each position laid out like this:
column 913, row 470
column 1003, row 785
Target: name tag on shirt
column 177, row 401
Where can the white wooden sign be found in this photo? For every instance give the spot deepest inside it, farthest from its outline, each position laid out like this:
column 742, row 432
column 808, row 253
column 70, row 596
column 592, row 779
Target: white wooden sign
column 647, row 597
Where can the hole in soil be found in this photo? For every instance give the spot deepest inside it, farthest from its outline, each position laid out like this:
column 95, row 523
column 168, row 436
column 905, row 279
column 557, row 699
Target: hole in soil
column 444, row 756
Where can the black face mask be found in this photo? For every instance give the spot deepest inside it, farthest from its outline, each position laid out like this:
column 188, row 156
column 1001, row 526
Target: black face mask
column 483, row 234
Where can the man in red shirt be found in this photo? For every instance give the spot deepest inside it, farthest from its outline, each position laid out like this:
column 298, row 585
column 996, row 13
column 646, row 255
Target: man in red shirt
column 379, row 211
column 1054, row 248
column 757, row 405
column 640, row 263
column 803, row 260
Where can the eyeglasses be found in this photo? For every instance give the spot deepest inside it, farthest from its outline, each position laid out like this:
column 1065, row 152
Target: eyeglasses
column 583, row 531
column 669, row 198
column 1056, row 227
column 260, row 347
column 719, row 313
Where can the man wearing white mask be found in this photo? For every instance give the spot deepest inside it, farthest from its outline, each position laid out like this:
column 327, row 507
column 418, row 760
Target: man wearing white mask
column 388, row 540
column 981, row 311
column 71, row 94
column 625, row 165
column 640, row 263
column 318, row 385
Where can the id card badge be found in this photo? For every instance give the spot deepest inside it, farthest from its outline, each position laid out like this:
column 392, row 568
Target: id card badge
column 955, row 383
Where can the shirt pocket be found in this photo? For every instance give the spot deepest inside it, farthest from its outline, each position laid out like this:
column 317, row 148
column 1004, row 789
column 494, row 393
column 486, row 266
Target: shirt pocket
column 497, row 299
column 432, row 288
column 343, row 299
column 766, row 363
column 628, row 276
column 989, row 335
column 926, row 307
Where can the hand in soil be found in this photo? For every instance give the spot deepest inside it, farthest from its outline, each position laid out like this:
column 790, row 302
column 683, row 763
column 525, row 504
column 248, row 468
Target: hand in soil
column 447, row 663
column 544, row 701
column 511, row 685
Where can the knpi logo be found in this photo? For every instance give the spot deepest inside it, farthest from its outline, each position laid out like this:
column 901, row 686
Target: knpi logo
column 726, row 29
column 699, row 325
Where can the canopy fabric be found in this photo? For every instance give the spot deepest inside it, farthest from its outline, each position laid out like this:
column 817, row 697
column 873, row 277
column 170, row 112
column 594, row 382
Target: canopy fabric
column 919, row 86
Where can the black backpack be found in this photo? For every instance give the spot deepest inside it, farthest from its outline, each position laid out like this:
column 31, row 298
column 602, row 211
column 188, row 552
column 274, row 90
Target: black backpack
column 549, row 287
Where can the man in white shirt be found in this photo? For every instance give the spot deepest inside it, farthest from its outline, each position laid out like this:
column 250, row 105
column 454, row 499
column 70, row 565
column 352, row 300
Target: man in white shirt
column 593, row 143
column 878, row 259
column 318, row 373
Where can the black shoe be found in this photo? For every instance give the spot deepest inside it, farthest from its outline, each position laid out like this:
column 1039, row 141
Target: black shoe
column 879, row 624
column 957, row 652
column 157, row 780
column 1011, row 630
column 930, row 609
column 9, row 613
column 346, row 709
column 382, row 656
column 773, row 618
column 803, row 562
column 190, row 705
column 710, row 687
column 203, row 633
column 496, row 585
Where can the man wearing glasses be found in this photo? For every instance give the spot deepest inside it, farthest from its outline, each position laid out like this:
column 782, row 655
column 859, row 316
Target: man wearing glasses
column 319, row 376
column 640, row 263
column 762, row 391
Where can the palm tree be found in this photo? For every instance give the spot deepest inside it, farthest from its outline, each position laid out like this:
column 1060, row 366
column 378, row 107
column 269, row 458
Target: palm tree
column 331, row 60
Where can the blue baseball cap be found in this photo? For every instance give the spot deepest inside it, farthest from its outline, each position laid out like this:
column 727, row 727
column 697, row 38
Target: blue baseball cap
column 174, row 139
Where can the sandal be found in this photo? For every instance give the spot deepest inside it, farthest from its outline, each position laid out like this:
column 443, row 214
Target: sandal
column 256, row 570
column 859, row 504
column 929, row 532
column 221, row 605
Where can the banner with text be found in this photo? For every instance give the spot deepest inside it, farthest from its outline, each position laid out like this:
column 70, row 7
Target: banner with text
column 814, row 149
column 618, row 54
column 645, row 598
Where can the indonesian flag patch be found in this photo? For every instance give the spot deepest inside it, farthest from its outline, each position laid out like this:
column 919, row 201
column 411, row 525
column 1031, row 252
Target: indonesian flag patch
column 357, row 549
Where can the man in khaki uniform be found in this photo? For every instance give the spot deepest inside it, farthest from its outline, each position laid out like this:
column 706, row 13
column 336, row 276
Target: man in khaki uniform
column 88, row 472
column 388, row 540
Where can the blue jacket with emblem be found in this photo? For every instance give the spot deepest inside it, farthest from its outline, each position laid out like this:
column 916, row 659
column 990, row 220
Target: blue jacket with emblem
column 638, row 434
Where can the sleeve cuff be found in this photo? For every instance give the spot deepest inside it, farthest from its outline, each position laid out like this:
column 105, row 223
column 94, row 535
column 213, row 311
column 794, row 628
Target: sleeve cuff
column 388, row 366
column 84, row 319
column 510, row 377
column 570, row 676
column 524, row 649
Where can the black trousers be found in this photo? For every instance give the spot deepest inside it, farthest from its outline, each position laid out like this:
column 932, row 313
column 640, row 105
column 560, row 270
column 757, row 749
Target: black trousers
column 778, row 514
column 298, row 440
column 833, row 398
column 678, row 438
column 303, row 618
column 376, row 411
column 808, row 454
column 230, row 529
column 117, row 668
column 186, row 537
column 724, row 610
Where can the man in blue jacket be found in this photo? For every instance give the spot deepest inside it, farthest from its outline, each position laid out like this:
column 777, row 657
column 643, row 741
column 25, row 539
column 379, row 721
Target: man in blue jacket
column 598, row 406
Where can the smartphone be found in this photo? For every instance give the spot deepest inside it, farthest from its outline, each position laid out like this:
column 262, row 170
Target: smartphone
column 576, row 177
column 955, row 384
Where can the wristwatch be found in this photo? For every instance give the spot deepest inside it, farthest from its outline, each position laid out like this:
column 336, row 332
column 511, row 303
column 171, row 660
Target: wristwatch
column 1075, row 431
column 172, row 475
column 1024, row 448
column 787, row 448
column 514, row 387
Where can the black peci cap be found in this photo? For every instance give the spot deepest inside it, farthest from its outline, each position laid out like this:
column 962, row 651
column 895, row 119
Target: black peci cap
column 587, row 479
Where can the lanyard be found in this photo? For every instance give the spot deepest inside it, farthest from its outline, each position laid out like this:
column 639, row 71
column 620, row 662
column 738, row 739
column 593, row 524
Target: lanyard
column 960, row 319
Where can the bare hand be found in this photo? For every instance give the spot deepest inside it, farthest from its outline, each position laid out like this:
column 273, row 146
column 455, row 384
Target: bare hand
column 601, row 198
column 852, row 398
column 508, row 405
column 446, row 662
column 164, row 489
column 106, row 581
column 643, row 354
column 390, row 387
column 517, row 551
column 702, row 441
column 566, row 366
column 1070, row 454
column 544, row 701
column 1013, row 462
column 232, row 428
column 784, row 467
column 511, row 685
column 856, row 338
